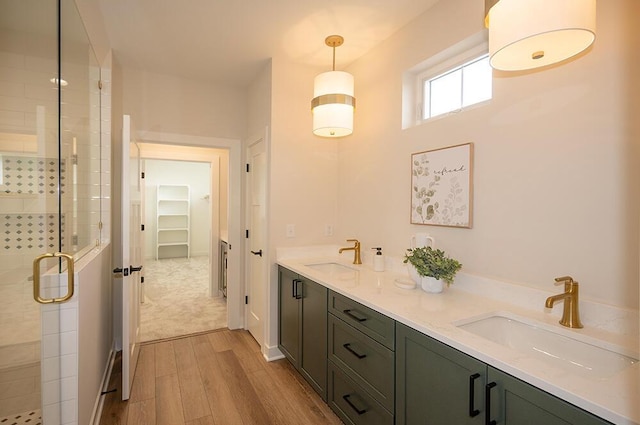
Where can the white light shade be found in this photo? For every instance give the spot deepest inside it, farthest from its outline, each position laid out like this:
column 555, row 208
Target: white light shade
column 333, row 104
column 526, row 34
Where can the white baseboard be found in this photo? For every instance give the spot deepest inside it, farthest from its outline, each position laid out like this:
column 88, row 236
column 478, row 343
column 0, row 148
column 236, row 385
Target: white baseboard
column 106, row 376
column 272, row 353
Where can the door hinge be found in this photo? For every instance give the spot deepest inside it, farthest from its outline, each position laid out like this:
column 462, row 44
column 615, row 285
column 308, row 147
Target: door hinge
column 100, row 84
column 142, row 227
column 246, row 299
column 246, row 234
column 142, row 175
column 247, row 168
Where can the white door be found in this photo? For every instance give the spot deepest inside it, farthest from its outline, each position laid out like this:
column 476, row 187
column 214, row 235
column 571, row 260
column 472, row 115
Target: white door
column 257, row 259
column 131, row 261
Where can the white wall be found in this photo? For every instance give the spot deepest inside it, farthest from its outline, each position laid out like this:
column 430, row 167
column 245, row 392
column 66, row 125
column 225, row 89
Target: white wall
column 168, row 104
column 197, row 176
column 259, row 102
column 556, row 161
column 94, row 328
column 304, row 167
column 303, row 175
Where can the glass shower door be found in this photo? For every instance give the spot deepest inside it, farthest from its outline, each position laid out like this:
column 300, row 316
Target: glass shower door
column 49, row 201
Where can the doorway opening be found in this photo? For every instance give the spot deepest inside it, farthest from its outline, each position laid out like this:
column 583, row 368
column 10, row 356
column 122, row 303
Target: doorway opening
column 186, row 204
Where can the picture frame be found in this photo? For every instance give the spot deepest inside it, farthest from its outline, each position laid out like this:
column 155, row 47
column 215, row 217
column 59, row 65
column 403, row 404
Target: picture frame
column 442, row 186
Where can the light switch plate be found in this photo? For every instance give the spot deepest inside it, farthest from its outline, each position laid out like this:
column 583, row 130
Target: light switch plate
column 291, row 230
column 328, row 230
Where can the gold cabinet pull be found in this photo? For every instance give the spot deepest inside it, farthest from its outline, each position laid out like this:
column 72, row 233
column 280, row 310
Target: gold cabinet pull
column 36, row 278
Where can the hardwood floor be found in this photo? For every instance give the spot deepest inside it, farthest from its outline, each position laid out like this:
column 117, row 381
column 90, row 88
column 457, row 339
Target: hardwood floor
column 216, row 378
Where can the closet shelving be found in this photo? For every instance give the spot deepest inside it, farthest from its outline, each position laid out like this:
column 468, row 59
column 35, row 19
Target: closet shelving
column 173, row 221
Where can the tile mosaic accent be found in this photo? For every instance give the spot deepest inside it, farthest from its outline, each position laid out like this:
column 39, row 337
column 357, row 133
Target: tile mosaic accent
column 32, row 176
column 29, row 231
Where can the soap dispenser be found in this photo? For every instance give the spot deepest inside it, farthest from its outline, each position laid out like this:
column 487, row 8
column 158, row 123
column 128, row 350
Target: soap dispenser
column 378, row 260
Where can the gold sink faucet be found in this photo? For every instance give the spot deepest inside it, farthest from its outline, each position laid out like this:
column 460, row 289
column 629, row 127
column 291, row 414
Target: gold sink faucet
column 571, row 313
column 355, row 249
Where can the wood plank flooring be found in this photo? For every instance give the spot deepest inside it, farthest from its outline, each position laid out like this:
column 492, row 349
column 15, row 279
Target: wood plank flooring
column 216, row 378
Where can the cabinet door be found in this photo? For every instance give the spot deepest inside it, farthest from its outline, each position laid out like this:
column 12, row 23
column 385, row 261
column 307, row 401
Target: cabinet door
column 514, row 402
column 289, row 315
column 436, row 384
column 313, row 357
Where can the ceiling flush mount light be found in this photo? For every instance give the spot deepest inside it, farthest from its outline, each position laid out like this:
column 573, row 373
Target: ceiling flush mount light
column 333, row 102
column 527, row 34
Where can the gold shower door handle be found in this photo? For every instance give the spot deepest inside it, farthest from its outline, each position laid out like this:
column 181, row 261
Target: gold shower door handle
column 36, row 278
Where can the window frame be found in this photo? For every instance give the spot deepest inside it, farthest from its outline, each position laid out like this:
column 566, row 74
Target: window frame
column 442, row 68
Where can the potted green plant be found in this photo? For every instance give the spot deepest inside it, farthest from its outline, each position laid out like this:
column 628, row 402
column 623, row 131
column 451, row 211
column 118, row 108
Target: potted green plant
column 431, row 268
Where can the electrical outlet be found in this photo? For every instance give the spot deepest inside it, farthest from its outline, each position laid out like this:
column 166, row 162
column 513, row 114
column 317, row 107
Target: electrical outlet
column 328, row 230
column 291, row 230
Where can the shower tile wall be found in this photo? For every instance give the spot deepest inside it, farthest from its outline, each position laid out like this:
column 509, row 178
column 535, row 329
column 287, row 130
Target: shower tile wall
column 33, row 176
column 28, row 188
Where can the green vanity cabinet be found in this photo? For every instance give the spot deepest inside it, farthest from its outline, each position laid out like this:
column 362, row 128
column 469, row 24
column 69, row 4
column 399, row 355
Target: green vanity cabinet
column 435, row 384
column 302, row 327
column 372, row 370
column 288, row 315
column 514, row 402
column 439, row 385
column 361, row 363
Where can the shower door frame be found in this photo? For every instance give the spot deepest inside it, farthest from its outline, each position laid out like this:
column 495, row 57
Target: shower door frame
column 59, row 196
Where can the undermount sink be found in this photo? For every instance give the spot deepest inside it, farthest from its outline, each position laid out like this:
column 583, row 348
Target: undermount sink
column 548, row 345
column 335, row 270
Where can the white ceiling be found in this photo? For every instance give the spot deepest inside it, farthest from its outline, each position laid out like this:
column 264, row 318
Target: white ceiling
column 229, row 41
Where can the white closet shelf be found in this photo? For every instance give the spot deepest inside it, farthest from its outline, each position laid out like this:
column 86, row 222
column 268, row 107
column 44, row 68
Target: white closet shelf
column 173, row 221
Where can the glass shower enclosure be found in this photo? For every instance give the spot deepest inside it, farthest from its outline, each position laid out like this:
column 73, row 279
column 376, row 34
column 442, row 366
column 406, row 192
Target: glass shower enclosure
column 50, row 197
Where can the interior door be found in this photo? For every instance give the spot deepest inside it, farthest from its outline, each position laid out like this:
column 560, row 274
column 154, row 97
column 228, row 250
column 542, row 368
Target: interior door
column 256, row 289
column 131, row 261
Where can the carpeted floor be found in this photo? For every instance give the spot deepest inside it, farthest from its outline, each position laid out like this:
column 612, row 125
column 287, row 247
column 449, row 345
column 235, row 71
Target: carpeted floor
column 177, row 299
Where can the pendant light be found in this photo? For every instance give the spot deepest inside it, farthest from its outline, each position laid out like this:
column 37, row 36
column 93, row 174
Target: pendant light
column 333, row 102
column 527, row 34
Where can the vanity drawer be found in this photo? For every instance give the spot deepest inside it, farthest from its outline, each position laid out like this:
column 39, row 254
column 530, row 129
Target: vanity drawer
column 353, row 404
column 373, row 324
column 368, row 362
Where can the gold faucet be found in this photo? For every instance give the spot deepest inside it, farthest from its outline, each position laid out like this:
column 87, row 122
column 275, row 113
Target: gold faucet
column 571, row 313
column 355, row 249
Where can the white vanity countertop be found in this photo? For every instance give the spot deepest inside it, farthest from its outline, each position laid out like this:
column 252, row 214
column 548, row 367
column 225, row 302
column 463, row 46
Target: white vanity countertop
column 616, row 398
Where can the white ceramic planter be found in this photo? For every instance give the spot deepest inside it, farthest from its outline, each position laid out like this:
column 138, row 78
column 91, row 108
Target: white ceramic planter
column 428, row 284
column 431, row 284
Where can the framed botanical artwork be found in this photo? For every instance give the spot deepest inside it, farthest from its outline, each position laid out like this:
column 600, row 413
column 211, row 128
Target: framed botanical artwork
column 442, row 186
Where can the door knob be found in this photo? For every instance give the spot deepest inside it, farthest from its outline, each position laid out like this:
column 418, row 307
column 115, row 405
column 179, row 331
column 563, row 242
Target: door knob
column 135, row 269
column 257, row 253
